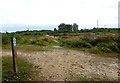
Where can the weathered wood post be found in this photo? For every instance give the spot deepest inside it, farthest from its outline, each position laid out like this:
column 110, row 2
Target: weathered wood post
column 14, row 54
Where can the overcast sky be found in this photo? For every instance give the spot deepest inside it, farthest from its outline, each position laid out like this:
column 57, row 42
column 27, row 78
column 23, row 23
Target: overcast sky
column 54, row 12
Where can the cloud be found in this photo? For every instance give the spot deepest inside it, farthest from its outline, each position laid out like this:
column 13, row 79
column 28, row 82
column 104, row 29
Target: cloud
column 58, row 11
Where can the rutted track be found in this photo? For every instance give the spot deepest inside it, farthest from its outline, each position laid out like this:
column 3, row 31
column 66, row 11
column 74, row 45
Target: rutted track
column 62, row 64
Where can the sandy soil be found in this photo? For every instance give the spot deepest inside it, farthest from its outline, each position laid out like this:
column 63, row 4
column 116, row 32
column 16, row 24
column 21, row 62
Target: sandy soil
column 59, row 64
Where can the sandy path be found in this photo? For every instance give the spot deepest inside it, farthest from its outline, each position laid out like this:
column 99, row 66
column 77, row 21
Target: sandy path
column 62, row 64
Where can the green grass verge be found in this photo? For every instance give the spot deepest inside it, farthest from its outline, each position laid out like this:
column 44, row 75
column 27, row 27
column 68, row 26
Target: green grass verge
column 8, row 74
column 28, row 48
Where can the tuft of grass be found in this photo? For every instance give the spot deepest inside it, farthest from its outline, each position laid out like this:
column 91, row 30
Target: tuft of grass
column 8, row 74
column 53, row 43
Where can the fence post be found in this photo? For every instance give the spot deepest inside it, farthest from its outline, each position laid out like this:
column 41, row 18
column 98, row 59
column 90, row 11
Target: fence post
column 14, row 54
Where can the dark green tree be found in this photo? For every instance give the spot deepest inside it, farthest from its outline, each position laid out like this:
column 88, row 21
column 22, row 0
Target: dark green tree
column 65, row 28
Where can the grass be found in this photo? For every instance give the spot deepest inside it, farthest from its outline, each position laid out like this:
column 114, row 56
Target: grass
column 103, row 45
column 8, row 74
column 31, row 48
column 95, row 51
column 53, row 43
column 26, row 48
column 100, row 44
column 100, row 53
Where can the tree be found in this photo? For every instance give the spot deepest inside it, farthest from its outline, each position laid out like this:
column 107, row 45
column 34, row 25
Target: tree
column 75, row 27
column 55, row 29
column 65, row 28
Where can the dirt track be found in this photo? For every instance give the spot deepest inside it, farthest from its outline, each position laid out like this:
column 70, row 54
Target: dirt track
column 60, row 64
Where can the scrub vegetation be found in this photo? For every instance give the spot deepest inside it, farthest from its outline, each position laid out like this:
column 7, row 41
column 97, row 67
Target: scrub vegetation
column 99, row 41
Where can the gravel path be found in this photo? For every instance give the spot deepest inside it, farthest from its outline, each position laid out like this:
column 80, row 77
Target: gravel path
column 60, row 64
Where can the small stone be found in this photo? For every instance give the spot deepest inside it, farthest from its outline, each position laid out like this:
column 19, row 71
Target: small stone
column 36, row 66
column 73, row 64
column 104, row 64
column 40, row 68
column 82, row 67
column 75, row 67
column 52, row 65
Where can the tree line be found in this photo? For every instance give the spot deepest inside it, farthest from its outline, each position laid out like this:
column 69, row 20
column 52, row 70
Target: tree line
column 67, row 28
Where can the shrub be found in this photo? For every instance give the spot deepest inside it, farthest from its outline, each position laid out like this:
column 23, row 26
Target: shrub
column 41, row 43
column 77, row 44
column 114, row 47
column 81, row 44
column 38, row 42
column 105, row 49
column 102, row 40
column 102, row 45
column 6, row 39
column 33, row 42
column 66, row 43
column 45, row 39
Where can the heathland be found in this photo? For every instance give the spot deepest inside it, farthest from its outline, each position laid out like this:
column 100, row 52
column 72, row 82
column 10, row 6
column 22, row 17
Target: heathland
column 59, row 55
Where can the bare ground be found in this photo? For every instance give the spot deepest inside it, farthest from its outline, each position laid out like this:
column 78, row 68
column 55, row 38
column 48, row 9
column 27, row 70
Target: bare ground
column 59, row 64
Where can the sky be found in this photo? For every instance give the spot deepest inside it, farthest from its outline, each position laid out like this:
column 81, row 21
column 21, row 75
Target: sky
column 119, row 14
column 48, row 14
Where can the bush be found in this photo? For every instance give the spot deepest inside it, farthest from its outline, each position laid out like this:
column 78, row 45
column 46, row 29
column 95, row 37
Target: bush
column 45, row 39
column 6, row 39
column 66, row 43
column 81, row 44
column 114, row 47
column 108, row 47
column 39, row 42
column 77, row 44
column 102, row 40
column 102, row 45
column 105, row 49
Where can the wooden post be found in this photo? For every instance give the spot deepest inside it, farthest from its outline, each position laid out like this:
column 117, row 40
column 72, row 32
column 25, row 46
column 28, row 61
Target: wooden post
column 14, row 53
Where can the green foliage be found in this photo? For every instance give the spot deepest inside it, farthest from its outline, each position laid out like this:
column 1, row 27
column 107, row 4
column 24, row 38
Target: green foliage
column 34, row 32
column 6, row 39
column 81, row 44
column 97, row 44
column 7, row 69
column 77, row 44
column 64, row 28
column 31, row 48
column 75, row 27
column 55, row 29
column 106, row 42
column 41, row 42
column 115, row 47
column 53, row 43
column 105, row 49
column 67, row 28
column 99, row 40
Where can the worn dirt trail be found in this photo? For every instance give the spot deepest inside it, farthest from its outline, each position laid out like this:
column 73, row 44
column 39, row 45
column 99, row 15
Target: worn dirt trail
column 59, row 64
